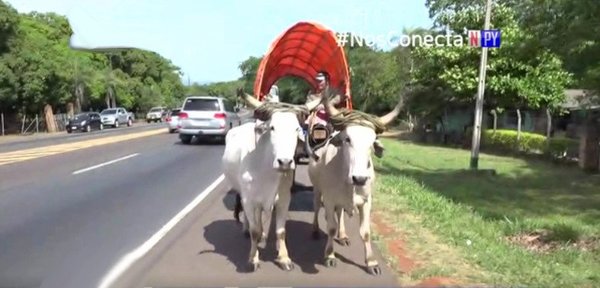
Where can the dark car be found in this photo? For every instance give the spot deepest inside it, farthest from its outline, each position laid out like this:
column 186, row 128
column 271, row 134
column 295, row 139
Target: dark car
column 86, row 122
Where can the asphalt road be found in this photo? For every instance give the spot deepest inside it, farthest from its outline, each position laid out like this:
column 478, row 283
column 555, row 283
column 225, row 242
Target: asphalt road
column 64, row 226
column 63, row 230
column 40, row 140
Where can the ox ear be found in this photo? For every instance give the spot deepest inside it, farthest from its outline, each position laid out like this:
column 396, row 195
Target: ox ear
column 378, row 148
column 301, row 116
column 261, row 115
column 301, row 136
column 336, row 140
column 260, row 128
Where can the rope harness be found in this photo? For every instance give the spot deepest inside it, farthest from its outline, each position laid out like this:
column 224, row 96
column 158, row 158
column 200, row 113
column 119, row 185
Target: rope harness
column 354, row 117
column 266, row 110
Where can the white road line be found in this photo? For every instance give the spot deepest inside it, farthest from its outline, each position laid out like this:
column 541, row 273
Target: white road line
column 105, row 163
column 129, row 259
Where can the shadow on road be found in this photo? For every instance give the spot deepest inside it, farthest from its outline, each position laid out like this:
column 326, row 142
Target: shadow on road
column 302, row 200
column 200, row 142
column 227, row 238
column 297, row 187
column 228, row 241
column 307, row 253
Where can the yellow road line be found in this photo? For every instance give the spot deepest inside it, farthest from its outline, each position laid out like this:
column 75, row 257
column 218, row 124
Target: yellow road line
column 33, row 153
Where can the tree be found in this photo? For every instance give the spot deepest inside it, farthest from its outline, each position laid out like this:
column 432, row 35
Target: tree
column 517, row 75
column 9, row 19
column 196, row 89
column 249, row 68
column 570, row 29
column 40, row 73
column 375, row 78
column 293, row 89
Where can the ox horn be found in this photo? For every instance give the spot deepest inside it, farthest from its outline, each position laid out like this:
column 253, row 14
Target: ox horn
column 389, row 117
column 252, row 101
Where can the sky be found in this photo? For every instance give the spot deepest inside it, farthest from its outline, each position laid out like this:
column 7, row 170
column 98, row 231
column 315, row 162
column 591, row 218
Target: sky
column 209, row 39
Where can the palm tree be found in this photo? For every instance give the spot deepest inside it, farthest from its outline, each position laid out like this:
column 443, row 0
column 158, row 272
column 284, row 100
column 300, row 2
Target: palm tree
column 83, row 76
column 111, row 80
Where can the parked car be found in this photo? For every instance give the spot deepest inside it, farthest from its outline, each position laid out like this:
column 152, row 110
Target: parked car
column 116, row 116
column 86, row 122
column 173, row 120
column 206, row 116
column 155, row 114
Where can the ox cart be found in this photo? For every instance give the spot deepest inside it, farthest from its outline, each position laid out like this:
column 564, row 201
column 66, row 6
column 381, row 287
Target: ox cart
column 305, row 50
column 264, row 174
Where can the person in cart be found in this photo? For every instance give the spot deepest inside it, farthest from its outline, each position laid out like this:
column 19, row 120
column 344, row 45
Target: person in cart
column 319, row 116
column 273, row 95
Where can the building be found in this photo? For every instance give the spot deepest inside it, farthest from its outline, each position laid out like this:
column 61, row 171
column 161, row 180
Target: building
column 454, row 121
column 578, row 102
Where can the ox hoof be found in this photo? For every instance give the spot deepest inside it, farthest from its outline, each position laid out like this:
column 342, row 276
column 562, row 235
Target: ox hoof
column 247, row 234
column 316, row 235
column 330, row 262
column 374, row 270
column 344, row 241
column 286, row 266
column 252, row 267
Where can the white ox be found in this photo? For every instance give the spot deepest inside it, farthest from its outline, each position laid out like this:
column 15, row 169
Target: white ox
column 258, row 162
column 342, row 175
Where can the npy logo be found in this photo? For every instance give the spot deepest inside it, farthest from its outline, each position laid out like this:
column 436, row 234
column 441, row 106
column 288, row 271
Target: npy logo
column 484, row 38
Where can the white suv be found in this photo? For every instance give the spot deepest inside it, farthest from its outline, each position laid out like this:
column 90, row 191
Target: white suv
column 206, row 116
column 155, row 114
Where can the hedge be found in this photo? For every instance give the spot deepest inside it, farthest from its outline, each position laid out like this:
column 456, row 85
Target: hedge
column 506, row 140
column 529, row 143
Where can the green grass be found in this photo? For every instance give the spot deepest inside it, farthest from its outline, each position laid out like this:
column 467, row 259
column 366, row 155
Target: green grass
column 431, row 185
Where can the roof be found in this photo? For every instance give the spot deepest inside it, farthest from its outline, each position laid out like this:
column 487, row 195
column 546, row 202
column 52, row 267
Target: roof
column 302, row 51
column 203, row 97
column 576, row 99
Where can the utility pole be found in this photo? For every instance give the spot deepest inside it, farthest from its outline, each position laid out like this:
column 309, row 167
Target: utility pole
column 480, row 91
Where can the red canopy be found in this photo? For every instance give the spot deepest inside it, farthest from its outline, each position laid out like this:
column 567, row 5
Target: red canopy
column 302, row 51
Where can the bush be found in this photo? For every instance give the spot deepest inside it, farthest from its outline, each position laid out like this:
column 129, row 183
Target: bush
column 530, row 143
column 506, row 140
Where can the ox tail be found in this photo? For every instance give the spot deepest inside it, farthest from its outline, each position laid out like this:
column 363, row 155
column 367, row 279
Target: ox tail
column 238, row 207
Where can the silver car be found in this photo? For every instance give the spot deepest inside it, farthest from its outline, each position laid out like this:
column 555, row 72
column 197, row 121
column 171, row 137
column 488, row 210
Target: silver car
column 173, row 120
column 206, row 116
column 115, row 117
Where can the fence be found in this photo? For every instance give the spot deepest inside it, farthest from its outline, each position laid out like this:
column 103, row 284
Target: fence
column 454, row 129
column 30, row 124
column 61, row 121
